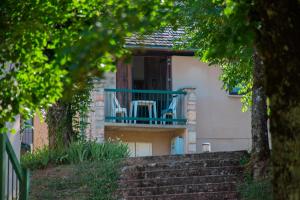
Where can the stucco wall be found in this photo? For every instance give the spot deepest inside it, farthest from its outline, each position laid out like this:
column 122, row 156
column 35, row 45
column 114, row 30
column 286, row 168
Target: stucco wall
column 219, row 117
column 161, row 141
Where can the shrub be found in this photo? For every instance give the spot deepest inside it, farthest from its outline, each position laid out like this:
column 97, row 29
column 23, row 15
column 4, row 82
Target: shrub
column 252, row 189
column 76, row 152
column 39, row 159
column 256, row 190
column 108, row 151
column 100, row 177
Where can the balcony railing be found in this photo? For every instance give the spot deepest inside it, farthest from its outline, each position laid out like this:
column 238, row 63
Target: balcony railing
column 145, row 106
column 14, row 182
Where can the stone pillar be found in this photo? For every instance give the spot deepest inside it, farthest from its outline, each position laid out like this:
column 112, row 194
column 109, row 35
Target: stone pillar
column 96, row 120
column 40, row 133
column 191, row 115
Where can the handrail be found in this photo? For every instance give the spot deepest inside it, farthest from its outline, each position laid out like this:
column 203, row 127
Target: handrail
column 22, row 173
column 145, row 118
column 145, row 106
column 145, row 91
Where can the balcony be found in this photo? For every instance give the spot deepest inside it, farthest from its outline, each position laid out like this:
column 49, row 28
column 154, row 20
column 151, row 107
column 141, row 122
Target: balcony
column 160, row 108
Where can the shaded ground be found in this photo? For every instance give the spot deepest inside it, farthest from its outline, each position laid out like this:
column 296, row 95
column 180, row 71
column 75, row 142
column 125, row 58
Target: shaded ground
column 97, row 180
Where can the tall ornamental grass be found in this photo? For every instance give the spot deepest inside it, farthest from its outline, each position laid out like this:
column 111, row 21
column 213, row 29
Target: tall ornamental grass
column 76, row 152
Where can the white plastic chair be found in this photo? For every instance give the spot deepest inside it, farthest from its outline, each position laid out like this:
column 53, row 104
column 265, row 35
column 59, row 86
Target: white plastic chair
column 171, row 110
column 117, row 109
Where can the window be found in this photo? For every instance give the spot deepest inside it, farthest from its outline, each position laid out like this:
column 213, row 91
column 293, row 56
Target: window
column 235, row 91
column 139, row 149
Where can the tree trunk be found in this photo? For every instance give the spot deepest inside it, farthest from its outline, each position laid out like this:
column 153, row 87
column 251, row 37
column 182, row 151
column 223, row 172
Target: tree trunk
column 259, row 120
column 279, row 47
column 59, row 120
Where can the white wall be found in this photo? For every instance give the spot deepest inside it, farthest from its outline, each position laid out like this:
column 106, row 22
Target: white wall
column 15, row 138
column 220, row 120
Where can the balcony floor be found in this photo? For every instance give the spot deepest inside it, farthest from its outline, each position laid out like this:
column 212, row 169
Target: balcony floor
column 111, row 126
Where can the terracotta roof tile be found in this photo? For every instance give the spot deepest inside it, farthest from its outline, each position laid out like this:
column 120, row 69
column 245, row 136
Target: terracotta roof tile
column 160, row 39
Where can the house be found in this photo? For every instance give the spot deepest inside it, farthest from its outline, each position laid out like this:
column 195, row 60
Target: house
column 165, row 101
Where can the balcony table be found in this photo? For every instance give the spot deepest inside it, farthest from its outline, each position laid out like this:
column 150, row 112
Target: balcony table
column 151, row 107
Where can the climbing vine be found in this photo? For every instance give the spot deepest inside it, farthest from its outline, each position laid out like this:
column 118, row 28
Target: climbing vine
column 67, row 119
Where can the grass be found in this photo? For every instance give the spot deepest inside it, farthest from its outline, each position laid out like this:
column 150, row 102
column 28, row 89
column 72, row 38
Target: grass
column 76, row 152
column 252, row 189
column 256, row 190
column 88, row 180
column 84, row 170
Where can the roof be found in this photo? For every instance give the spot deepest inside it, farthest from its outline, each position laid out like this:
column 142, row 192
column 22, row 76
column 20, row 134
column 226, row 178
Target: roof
column 164, row 39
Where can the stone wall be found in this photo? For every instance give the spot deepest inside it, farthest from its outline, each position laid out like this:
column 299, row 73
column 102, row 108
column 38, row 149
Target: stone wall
column 40, row 133
column 191, row 115
column 95, row 130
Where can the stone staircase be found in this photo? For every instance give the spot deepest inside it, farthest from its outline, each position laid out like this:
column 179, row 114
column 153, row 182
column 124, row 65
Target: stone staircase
column 205, row 176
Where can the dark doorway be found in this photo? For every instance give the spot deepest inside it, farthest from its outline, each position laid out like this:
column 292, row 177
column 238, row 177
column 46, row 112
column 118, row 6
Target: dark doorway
column 151, row 73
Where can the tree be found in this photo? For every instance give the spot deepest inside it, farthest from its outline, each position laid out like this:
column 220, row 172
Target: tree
column 278, row 45
column 225, row 37
column 66, row 118
column 46, row 46
column 276, row 38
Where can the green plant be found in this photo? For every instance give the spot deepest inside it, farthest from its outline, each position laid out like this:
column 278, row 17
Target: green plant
column 48, row 45
column 39, row 159
column 76, row 152
column 108, row 151
column 256, row 190
column 95, row 180
column 245, row 159
column 101, row 178
column 251, row 189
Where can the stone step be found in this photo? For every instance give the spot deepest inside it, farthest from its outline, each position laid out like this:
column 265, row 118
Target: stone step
column 178, row 189
column 204, row 176
column 178, row 181
column 182, row 164
column 201, row 171
column 186, row 157
column 222, row 195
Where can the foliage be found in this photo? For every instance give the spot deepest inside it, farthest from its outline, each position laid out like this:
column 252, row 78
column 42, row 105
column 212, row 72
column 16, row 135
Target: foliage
column 251, row 189
column 256, row 190
column 77, row 152
column 101, row 179
column 48, row 45
column 67, row 118
column 222, row 34
column 87, row 180
column 39, row 159
column 94, row 175
column 245, row 159
column 108, row 150
column 80, row 105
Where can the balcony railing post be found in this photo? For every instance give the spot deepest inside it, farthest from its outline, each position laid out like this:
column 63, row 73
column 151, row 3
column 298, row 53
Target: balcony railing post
column 2, row 166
